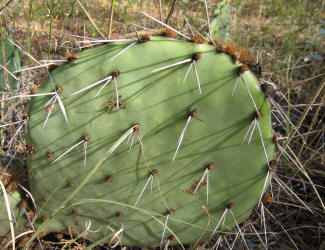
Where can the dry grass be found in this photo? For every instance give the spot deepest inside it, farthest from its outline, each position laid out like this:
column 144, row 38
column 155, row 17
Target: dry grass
column 286, row 38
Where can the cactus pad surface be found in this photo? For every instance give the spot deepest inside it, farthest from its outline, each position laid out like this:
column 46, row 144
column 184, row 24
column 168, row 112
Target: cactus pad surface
column 133, row 128
column 14, row 200
column 10, row 58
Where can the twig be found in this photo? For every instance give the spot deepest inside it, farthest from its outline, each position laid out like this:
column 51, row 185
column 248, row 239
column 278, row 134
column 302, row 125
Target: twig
column 293, row 131
column 111, row 19
column 171, row 11
column 90, row 19
column 151, row 32
column 207, row 14
column 19, row 236
column 160, row 11
column 313, row 122
column 5, row 5
column 166, row 25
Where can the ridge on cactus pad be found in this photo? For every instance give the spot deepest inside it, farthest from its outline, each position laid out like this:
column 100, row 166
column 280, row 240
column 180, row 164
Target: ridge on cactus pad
column 168, row 151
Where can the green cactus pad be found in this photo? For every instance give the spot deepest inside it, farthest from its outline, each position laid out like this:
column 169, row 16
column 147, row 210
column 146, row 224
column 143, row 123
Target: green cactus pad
column 14, row 199
column 161, row 104
column 12, row 63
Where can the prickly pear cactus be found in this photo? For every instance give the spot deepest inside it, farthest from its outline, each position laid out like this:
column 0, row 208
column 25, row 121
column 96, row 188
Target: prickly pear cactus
column 9, row 57
column 14, row 199
column 157, row 136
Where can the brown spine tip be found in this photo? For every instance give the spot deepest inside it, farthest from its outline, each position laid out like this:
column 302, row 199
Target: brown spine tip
column 144, row 39
column 45, row 198
column 75, row 212
column 172, row 238
column 169, row 33
column 219, row 46
column 275, row 137
column 70, row 185
column 50, row 155
column 196, row 56
column 59, row 90
column 27, row 118
column 44, row 218
column 267, row 198
column 34, row 89
column 272, row 165
column 87, row 137
column 22, row 149
column 109, row 178
column 244, row 56
column 119, row 214
column 154, row 172
column 116, row 73
column 59, row 236
column 31, row 172
column 23, row 204
column 198, row 39
column 193, row 112
column 231, row 50
column 41, row 234
column 71, row 57
column 231, row 205
column 71, row 229
column 136, row 127
column 258, row 114
column 49, row 108
column 242, row 69
column 31, row 214
column 171, row 211
column 238, row 54
column 211, row 165
column 53, row 66
column 31, row 149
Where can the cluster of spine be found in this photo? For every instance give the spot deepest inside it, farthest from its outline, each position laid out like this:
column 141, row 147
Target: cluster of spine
column 173, row 138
